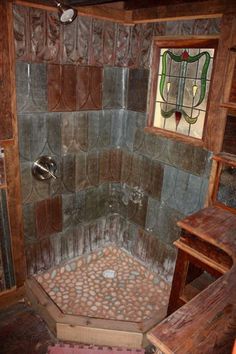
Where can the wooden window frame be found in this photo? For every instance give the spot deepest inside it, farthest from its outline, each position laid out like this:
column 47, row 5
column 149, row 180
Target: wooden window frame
column 177, row 42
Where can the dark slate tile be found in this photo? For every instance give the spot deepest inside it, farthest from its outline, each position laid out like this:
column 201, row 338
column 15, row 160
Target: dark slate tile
column 133, row 122
column 156, row 147
column 29, row 222
column 153, row 210
column 31, row 87
column 157, row 172
column 89, row 88
column 201, row 162
column 96, row 47
column 81, row 175
column 93, row 168
column 24, row 131
column 122, row 45
column 161, row 220
column 118, row 119
column 68, row 211
column 114, row 87
column 126, row 168
column 116, row 163
column 166, row 227
column 109, row 40
column 137, row 90
column 105, row 164
column 68, row 172
column 93, row 129
column 104, row 139
column 48, row 216
column 183, row 191
column 180, row 155
column 32, row 190
column 61, row 88
column 146, row 44
column 54, row 141
column 69, row 133
column 76, row 38
column 82, row 126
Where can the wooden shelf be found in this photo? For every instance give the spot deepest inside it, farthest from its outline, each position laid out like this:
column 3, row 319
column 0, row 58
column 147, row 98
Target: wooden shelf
column 196, row 286
column 3, row 186
column 225, row 157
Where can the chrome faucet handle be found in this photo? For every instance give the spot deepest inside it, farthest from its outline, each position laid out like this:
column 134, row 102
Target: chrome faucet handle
column 44, row 168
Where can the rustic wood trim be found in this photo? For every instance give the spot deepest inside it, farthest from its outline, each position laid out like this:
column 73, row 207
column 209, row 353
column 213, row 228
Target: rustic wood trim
column 189, row 11
column 217, row 115
column 12, row 164
column 12, row 296
column 96, row 11
column 80, row 328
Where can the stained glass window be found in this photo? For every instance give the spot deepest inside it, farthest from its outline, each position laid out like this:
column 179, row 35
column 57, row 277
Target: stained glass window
column 182, row 90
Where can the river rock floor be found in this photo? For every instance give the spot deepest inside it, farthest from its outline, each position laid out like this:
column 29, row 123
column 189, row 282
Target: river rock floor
column 107, row 284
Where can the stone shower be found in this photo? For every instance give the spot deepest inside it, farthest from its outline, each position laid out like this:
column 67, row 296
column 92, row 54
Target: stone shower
column 110, row 215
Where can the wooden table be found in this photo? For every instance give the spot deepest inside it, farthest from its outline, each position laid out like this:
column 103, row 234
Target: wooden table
column 207, row 323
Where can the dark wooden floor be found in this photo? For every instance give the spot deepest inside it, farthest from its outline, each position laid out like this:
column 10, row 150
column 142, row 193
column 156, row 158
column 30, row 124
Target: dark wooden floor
column 22, row 331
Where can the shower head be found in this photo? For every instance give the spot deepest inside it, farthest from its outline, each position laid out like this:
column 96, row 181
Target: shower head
column 67, row 14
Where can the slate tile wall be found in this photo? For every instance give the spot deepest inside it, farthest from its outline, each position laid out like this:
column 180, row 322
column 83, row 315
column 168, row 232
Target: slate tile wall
column 81, row 98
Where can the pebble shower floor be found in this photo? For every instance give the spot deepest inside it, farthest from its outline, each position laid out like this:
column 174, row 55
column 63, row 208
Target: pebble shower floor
column 107, row 284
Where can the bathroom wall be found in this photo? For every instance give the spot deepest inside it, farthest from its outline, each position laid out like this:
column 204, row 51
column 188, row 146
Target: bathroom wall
column 81, row 98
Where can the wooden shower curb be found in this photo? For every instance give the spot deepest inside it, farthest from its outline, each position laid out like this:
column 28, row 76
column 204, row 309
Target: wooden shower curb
column 83, row 329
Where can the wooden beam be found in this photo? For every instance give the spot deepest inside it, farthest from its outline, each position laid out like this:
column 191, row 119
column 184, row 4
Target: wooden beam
column 204, row 9
column 11, row 151
column 103, row 12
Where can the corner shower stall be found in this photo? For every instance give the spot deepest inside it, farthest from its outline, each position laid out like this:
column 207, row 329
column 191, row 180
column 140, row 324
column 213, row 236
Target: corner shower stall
column 98, row 236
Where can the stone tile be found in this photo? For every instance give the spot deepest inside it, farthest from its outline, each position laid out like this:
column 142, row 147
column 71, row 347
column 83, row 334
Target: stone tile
column 105, row 126
column 183, row 191
column 116, row 159
column 109, row 41
column 32, row 190
column 96, row 47
column 81, row 175
column 44, row 36
column 93, row 168
column 146, row 44
column 76, row 289
column 157, row 172
column 68, row 173
column 166, row 227
column 69, row 133
column 133, row 122
column 68, row 211
column 105, row 164
column 137, row 90
column 118, row 120
column 122, row 45
column 48, row 216
column 89, row 88
column 29, row 222
column 54, row 140
column 114, row 87
column 31, row 87
column 153, row 210
column 76, row 39
column 61, row 88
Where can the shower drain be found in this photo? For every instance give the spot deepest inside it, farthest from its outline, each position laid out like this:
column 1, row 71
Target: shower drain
column 109, row 274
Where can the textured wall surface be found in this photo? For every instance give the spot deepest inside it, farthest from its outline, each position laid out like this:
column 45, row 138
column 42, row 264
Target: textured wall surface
column 81, row 98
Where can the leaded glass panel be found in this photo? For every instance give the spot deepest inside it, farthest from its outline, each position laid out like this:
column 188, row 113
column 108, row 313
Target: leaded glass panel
column 182, row 90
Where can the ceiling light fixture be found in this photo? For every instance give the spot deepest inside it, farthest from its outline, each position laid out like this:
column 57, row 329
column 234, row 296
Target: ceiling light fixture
column 67, row 14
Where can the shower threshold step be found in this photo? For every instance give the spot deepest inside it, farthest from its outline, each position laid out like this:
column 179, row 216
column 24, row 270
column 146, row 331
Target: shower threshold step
column 105, row 298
